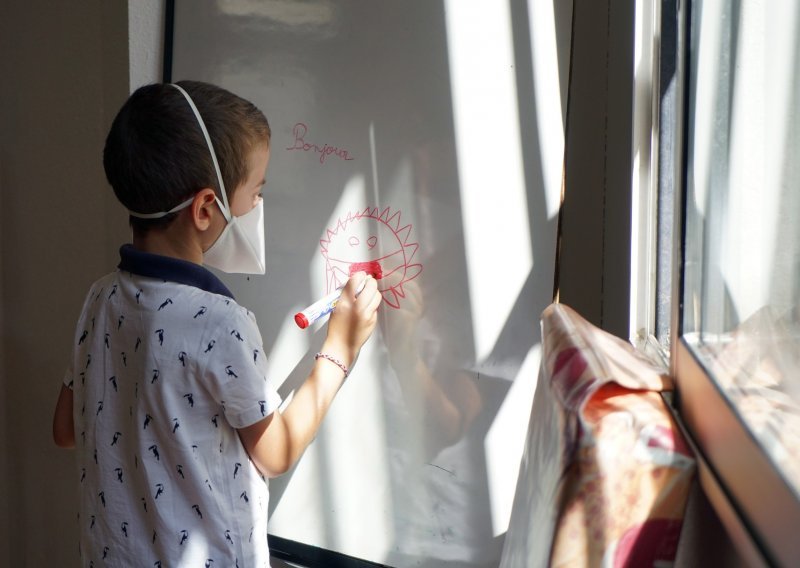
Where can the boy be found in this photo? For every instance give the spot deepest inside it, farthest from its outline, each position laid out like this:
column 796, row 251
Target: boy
column 167, row 398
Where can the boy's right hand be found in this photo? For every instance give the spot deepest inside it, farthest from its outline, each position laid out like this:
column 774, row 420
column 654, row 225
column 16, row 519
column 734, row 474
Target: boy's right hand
column 354, row 318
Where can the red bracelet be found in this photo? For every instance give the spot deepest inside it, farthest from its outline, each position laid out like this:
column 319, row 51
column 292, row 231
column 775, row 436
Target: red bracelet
column 333, row 360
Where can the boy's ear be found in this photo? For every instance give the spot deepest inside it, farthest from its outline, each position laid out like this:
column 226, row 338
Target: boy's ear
column 203, row 208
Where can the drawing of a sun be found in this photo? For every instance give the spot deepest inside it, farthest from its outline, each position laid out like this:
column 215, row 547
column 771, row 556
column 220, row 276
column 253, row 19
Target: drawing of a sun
column 373, row 241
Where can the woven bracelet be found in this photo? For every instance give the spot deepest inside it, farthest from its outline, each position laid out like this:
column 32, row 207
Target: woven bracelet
column 333, row 360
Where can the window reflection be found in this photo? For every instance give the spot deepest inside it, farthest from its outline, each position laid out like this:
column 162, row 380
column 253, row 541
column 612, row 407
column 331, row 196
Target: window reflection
column 741, row 314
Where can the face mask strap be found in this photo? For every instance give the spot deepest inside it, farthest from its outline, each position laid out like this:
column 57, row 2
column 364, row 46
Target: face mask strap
column 160, row 214
column 226, row 208
column 223, row 205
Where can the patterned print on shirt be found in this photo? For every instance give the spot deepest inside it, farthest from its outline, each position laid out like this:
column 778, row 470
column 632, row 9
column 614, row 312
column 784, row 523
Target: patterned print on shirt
column 194, row 361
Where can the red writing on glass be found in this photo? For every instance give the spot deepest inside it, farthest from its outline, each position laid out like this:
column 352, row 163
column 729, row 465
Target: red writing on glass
column 300, row 131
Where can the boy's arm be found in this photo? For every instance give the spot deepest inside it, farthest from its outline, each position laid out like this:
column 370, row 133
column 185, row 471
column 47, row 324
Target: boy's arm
column 277, row 442
column 63, row 427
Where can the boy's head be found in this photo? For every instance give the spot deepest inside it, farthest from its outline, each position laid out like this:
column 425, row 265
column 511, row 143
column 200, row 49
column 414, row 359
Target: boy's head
column 156, row 156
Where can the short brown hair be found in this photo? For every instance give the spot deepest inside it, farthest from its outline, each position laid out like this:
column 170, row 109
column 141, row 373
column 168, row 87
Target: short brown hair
column 156, row 156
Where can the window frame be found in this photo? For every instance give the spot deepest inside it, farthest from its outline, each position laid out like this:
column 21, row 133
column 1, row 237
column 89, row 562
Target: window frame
column 656, row 106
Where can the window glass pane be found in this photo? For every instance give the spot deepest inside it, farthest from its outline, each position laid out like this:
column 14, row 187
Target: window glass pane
column 741, row 304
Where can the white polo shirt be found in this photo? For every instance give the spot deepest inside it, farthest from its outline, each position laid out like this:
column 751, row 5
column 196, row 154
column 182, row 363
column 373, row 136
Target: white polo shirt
column 166, row 365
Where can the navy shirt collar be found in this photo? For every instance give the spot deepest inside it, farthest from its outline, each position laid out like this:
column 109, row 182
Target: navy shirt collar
column 170, row 269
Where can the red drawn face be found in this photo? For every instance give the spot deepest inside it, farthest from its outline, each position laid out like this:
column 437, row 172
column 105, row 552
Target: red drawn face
column 371, row 238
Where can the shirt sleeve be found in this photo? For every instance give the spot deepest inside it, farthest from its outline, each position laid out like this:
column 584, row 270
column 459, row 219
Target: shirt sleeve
column 82, row 330
column 237, row 372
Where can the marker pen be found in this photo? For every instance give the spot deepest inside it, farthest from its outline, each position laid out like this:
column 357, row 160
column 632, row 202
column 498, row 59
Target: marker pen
column 324, row 306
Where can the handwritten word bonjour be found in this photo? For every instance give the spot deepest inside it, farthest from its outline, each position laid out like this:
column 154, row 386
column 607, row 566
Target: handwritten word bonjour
column 300, row 130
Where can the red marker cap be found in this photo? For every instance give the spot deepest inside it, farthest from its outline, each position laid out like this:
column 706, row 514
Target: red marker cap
column 301, row 320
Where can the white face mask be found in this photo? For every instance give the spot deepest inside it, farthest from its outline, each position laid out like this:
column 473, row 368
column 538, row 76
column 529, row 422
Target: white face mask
column 240, row 246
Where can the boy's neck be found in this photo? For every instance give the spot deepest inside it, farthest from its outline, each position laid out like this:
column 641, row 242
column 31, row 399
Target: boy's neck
column 166, row 243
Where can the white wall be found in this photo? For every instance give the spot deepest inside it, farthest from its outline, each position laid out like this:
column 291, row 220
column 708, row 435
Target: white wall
column 65, row 72
column 145, row 41
column 463, row 141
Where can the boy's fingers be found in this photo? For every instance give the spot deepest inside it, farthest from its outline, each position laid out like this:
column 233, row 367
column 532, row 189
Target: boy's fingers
column 354, row 283
column 376, row 300
column 366, row 288
column 370, row 296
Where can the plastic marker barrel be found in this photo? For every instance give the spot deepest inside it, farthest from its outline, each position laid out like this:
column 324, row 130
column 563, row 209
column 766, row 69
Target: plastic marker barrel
column 325, row 305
